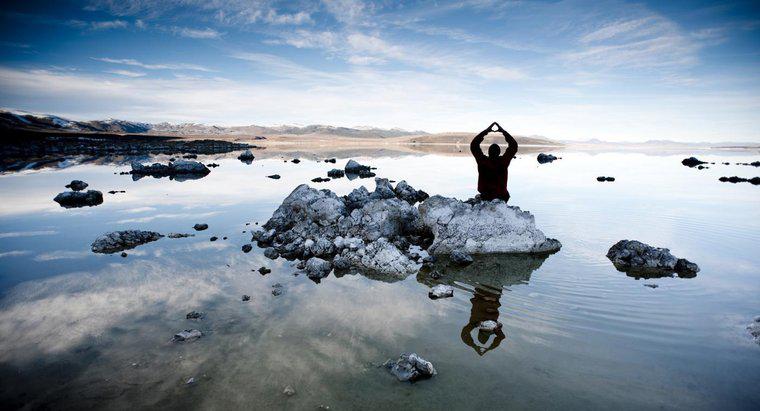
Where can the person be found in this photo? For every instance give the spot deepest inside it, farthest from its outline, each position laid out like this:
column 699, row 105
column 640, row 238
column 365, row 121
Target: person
column 492, row 169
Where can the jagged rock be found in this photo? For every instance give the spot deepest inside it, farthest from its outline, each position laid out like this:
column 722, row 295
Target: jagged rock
column 482, row 228
column 271, row 253
column 200, row 227
column 77, row 185
column 692, row 162
column 635, row 256
column 317, row 268
column 405, row 192
column 410, row 367
column 123, row 240
column 382, row 257
column 489, row 326
column 545, row 158
column 74, row 199
column 336, row 173
column 320, row 248
column 194, row 315
column 187, row 336
column 441, row 291
column 352, row 167
column 459, row 257
column 246, row 156
column 247, row 248
column 754, row 329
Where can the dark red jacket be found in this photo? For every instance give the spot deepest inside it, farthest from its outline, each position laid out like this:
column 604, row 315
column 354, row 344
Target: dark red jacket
column 492, row 172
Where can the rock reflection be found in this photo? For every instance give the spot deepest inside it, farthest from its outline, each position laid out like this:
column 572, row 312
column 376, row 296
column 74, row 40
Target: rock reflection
column 487, row 275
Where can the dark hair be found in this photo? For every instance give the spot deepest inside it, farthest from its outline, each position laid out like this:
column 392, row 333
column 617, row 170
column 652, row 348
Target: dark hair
column 494, row 150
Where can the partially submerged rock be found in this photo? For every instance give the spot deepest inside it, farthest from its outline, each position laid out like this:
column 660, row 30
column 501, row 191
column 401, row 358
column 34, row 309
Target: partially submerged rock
column 353, row 167
column 277, row 289
column 264, row 271
column 692, row 162
column 754, row 329
column 274, row 176
column 247, row 248
column 336, row 173
column 179, row 235
column 194, row 315
column 246, row 156
column 485, row 227
column 200, row 227
column 546, row 158
column 178, row 168
column 187, row 336
column 643, row 260
column 603, row 178
column 123, row 240
column 735, row 179
column 441, row 291
column 410, row 367
column 77, row 185
column 75, row 199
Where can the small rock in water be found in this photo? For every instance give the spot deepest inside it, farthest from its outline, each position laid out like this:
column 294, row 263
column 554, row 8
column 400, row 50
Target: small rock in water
column 116, row 191
column 187, row 336
column 603, row 178
column 264, row 271
column 75, row 199
column 410, row 367
column 461, row 258
column 353, row 167
column 77, row 185
column 190, row 381
column 276, row 289
column 246, row 156
column 123, row 254
column 651, row 285
column 179, row 235
column 123, row 240
column 632, row 255
column 320, row 180
column 200, row 227
column 692, row 162
column 735, row 179
column 336, row 173
column 214, row 238
column 247, row 248
column 295, row 161
column 274, row 176
column 190, row 156
column 194, row 315
column 441, row 291
column 212, row 165
column 317, row 268
column 546, row 158
column 246, row 297
column 289, row 391
column 330, row 160
column 489, row 326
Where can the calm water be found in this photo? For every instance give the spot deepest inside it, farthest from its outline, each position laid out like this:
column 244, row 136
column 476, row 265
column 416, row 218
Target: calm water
column 83, row 330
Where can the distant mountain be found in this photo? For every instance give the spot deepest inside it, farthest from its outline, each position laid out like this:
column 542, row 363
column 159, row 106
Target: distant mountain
column 19, row 120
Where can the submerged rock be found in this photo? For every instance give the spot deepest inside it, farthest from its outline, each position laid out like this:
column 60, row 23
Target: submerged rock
column 484, row 227
column 77, row 185
column 187, row 336
column 639, row 258
column 75, row 199
column 123, row 240
column 441, row 291
column 276, row 289
column 194, row 315
column 546, row 158
column 289, row 391
column 410, row 367
column 692, row 162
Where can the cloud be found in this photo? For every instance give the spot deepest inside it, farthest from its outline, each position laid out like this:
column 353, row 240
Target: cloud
column 14, row 253
column 99, row 25
column 62, row 255
column 14, row 234
column 126, row 73
column 136, row 63
column 207, row 33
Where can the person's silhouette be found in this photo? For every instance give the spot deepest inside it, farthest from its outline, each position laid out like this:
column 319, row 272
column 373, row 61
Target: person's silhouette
column 492, row 169
column 485, row 306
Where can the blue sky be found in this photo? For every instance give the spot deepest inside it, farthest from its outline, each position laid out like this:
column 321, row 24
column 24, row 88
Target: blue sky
column 613, row 70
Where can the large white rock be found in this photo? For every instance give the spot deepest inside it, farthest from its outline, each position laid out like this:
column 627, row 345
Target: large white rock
column 383, row 257
column 483, row 228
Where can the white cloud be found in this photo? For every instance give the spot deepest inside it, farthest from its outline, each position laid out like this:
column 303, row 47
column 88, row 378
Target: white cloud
column 126, row 73
column 99, row 25
column 136, row 63
column 14, row 234
column 14, row 253
column 207, row 33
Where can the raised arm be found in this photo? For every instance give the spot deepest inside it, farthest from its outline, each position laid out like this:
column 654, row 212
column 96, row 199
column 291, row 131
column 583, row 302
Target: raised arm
column 475, row 143
column 512, row 143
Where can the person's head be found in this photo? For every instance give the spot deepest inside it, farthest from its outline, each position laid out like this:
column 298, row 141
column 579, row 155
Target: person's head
column 494, row 150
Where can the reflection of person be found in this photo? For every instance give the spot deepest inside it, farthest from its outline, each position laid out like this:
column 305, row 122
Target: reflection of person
column 492, row 169
column 485, row 306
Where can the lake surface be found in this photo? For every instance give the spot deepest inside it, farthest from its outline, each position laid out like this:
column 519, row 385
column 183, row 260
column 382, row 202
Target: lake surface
column 84, row 330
